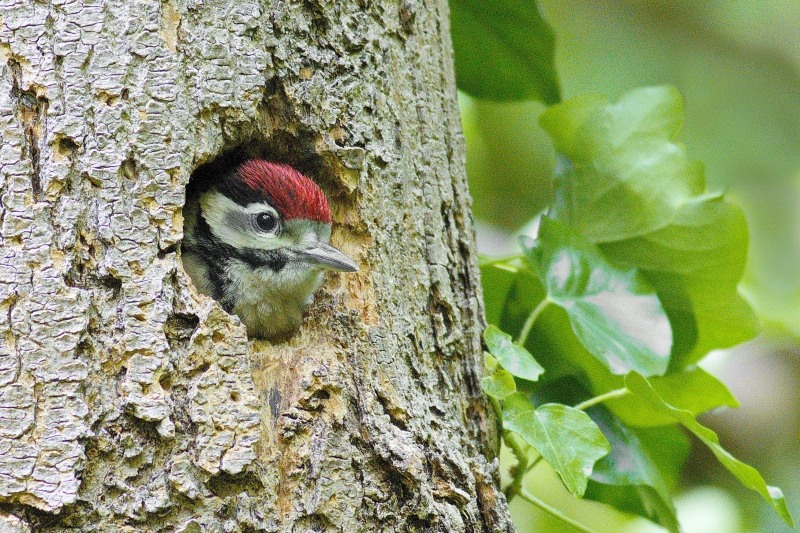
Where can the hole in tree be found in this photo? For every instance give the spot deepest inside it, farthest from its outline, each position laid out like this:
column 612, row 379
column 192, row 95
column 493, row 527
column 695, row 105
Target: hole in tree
column 252, row 219
column 166, row 382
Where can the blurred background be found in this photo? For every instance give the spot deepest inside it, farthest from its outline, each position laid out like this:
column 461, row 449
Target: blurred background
column 737, row 65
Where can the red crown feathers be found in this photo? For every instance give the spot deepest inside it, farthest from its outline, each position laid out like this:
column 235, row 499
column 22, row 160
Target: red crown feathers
column 291, row 193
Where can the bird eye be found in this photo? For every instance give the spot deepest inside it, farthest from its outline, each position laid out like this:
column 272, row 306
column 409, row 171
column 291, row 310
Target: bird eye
column 266, row 222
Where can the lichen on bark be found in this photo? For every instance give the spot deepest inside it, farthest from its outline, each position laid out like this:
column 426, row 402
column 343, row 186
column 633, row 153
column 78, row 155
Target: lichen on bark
column 128, row 401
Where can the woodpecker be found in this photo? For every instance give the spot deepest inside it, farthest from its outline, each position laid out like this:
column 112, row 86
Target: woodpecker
column 256, row 240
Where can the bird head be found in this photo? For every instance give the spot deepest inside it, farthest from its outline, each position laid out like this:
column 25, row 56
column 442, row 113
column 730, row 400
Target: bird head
column 256, row 239
column 273, row 215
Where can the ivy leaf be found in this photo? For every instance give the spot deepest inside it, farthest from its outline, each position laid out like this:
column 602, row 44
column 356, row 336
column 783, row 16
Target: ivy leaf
column 522, row 297
column 551, row 339
column 667, row 448
column 624, row 177
column 746, row 474
column 695, row 264
column 504, row 50
column 514, row 358
column 624, row 183
column 614, row 312
column 693, row 390
column 556, row 347
column 635, row 476
column 496, row 283
column 499, row 384
column 565, row 437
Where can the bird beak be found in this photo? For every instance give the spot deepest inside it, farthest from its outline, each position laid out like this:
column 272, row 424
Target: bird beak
column 328, row 257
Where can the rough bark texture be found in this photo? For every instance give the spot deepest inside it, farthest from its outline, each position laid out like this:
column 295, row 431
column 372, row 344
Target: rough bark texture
column 128, row 402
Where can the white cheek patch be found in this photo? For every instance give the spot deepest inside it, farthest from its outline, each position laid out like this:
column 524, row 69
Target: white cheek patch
column 233, row 223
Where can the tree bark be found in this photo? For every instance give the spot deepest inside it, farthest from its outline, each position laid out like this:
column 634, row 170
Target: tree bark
column 129, row 402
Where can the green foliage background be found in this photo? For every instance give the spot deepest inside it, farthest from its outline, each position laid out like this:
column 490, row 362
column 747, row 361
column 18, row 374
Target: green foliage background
column 736, row 65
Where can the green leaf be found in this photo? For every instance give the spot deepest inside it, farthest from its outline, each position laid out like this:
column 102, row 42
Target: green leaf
column 514, row 358
column 639, row 485
column 504, row 50
column 625, row 184
column 746, row 474
column 496, row 283
column 525, row 293
column 669, row 447
column 556, row 348
column 693, row 390
column 498, row 384
column 564, row 436
column 624, row 176
column 551, row 340
column 614, row 312
column 695, row 264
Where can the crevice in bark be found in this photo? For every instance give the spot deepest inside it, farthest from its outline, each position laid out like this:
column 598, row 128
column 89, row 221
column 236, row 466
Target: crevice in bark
column 226, row 485
column 78, row 276
column 408, row 16
column 179, row 327
column 397, row 415
column 195, row 372
column 32, row 116
column 66, row 146
column 164, row 252
column 491, row 502
column 35, row 518
column 398, row 486
column 318, row 523
column 128, row 170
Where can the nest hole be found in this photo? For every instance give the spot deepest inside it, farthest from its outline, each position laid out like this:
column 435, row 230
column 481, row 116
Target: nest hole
column 293, row 149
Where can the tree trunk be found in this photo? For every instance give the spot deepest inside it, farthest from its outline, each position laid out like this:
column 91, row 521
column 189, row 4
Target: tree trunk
column 129, row 402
